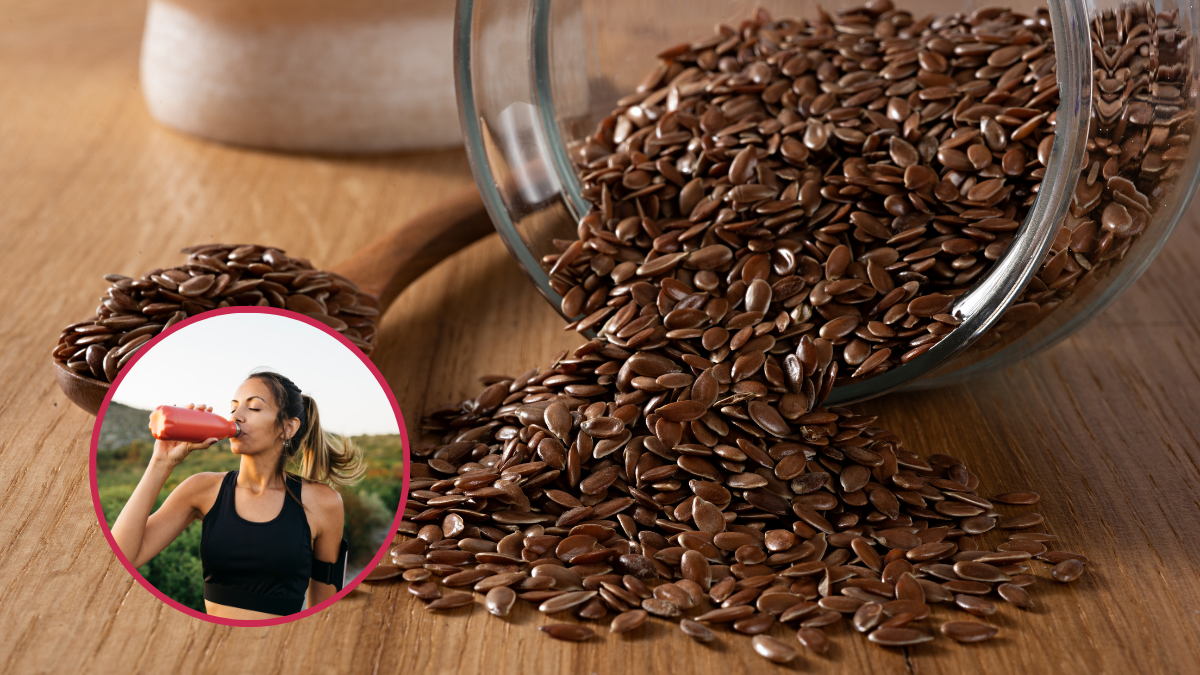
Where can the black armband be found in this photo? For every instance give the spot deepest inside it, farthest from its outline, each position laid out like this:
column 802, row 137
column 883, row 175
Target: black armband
column 332, row 573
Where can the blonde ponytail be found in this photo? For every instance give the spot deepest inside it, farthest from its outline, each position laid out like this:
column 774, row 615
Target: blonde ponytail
column 326, row 458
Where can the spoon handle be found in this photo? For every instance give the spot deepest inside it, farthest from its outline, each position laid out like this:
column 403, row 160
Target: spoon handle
column 389, row 264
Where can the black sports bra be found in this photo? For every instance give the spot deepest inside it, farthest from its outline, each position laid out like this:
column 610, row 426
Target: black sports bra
column 264, row 567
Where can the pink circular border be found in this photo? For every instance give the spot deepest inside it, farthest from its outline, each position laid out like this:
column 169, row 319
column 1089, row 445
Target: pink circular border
column 96, row 440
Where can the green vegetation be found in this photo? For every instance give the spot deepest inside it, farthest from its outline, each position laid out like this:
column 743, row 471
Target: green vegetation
column 369, row 505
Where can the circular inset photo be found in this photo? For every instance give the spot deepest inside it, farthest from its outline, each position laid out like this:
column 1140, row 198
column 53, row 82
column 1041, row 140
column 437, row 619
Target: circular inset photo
column 249, row 466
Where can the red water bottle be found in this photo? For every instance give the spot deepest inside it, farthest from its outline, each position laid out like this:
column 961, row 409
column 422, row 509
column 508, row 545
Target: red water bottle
column 172, row 423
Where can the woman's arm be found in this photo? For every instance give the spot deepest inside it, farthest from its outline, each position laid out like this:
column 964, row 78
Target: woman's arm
column 327, row 543
column 140, row 535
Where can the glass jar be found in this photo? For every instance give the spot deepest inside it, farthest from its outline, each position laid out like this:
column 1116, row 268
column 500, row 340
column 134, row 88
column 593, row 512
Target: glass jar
column 535, row 79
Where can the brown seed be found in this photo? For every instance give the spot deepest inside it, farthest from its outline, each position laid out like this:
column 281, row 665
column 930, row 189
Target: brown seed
column 576, row 545
column 603, row 427
column 929, row 305
column 968, row 587
column 840, row 603
column 954, row 159
column 754, row 624
column 776, row 603
column 768, row 418
column 867, row 616
column 695, row 568
column 978, row 524
column 564, row 579
column 627, row 621
column 558, row 419
column 1022, row 521
column 726, row 614
column 419, row 574
column 773, row 650
column 696, row 631
column 863, row 549
column 902, row 152
column 465, row 578
column 839, row 327
column 741, row 170
column 567, row 631
column 1015, row 595
column 594, row 610
column 975, row 605
column 979, row 571
column 709, row 257
column 682, row 411
column 907, row 588
column 499, row 600
column 931, row 551
column 901, row 620
column 661, row 608
column 674, row 595
column 758, row 296
column 427, row 590
column 779, row 540
column 197, row 285
column 1067, row 570
column 918, row 609
column 979, row 157
column 898, row 637
column 452, row 601
column 636, row 586
column 968, row 631
column 599, row 481
column 821, row 619
column 836, row 263
column 799, row 610
column 813, row 639
column 430, row 534
column 562, row 603
column 741, row 598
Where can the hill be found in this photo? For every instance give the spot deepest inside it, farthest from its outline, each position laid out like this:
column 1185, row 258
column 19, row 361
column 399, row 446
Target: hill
column 123, row 425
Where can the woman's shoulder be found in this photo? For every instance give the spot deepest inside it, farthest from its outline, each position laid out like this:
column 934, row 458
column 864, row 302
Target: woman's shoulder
column 321, row 497
column 200, row 489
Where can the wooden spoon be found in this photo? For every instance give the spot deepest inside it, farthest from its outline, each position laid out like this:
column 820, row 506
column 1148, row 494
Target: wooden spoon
column 383, row 268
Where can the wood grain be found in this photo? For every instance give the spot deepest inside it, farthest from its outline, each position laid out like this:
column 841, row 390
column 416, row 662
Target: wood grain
column 1105, row 426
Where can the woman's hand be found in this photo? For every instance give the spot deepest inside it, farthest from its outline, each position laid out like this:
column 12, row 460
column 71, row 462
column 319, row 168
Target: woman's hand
column 171, row 453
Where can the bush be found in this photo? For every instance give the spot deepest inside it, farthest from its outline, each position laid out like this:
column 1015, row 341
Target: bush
column 365, row 516
column 177, row 571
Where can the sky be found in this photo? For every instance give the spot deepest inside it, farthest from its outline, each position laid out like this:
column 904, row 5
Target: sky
column 207, row 361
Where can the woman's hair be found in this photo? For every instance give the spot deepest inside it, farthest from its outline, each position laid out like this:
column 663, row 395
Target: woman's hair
column 324, row 458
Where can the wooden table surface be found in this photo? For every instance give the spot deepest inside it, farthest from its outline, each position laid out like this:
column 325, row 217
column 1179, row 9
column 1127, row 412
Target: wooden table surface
column 1105, row 426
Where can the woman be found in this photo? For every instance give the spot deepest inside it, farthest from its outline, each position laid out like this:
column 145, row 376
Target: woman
column 267, row 534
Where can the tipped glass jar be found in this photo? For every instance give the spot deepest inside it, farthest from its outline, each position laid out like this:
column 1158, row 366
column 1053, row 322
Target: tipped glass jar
column 926, row 192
